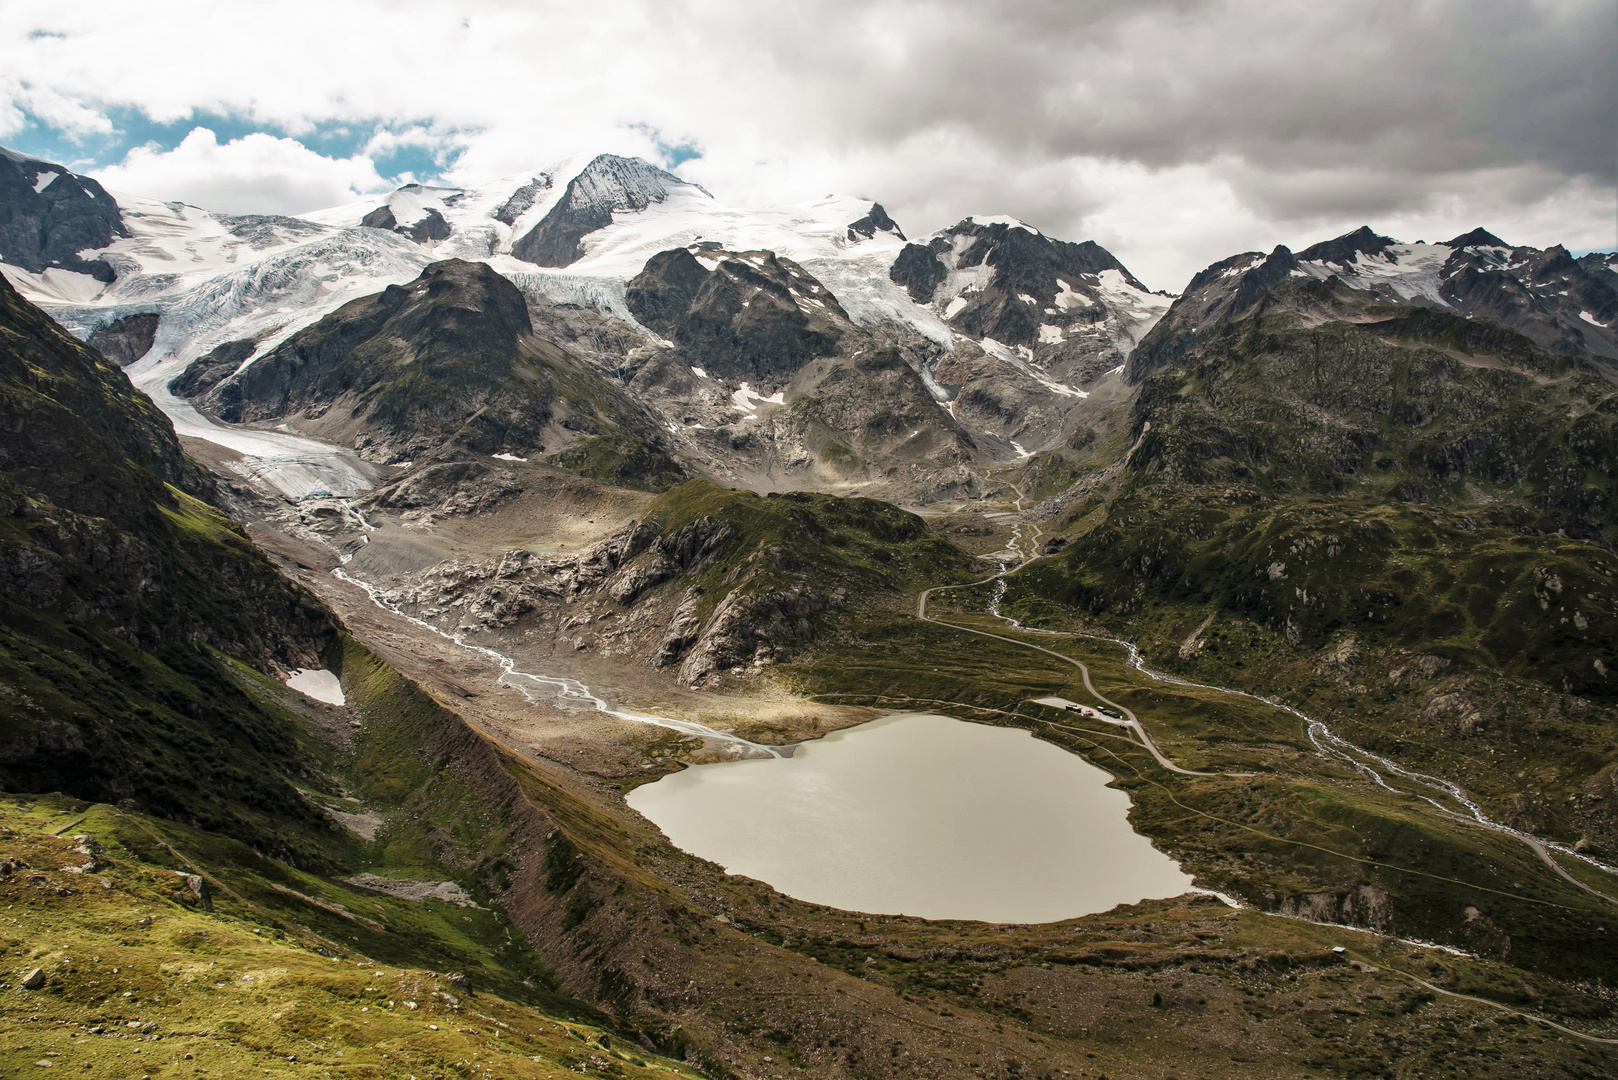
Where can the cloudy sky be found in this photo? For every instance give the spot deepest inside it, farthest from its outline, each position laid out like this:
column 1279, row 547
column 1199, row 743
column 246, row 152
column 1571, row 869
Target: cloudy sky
column 1173, row 132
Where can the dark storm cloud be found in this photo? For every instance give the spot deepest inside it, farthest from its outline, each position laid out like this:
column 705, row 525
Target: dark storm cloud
column 1393, row 91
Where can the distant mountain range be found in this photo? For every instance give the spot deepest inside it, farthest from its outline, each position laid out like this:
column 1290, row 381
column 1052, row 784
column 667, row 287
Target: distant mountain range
column 813, row 345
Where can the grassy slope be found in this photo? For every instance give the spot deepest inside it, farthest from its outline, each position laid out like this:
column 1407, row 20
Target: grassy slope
column 290, row 975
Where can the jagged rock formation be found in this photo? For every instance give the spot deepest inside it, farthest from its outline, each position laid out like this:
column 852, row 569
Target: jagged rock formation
column 1038, row 321
column 1006, row 281
column 1562, row 304
column 125, row 340
column 49, row 215
column 872, row 223
column 430, row 227
column 755, row 317
column 519, row 201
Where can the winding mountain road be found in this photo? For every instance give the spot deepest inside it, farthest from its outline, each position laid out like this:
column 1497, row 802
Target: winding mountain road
column 1133, row 724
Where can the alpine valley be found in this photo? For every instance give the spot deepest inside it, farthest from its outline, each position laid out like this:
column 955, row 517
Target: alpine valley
column 359, row 568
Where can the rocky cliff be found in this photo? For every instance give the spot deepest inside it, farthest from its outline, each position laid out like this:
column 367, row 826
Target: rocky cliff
column 49, row 216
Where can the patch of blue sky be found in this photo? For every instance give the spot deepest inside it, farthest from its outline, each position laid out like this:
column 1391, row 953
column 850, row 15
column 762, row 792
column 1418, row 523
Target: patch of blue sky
column 673, row 154
column 131, row 128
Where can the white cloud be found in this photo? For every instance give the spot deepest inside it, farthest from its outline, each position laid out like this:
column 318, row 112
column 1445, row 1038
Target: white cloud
column 61, row 111
column 1174, row 131
column 255, row 174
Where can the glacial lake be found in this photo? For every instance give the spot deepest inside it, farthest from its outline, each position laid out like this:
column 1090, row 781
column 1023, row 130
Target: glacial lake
column 920, row 815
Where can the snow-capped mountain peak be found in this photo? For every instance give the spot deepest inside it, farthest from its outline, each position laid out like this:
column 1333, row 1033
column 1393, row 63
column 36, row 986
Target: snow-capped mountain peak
column 1566, row 305
column 607, row 185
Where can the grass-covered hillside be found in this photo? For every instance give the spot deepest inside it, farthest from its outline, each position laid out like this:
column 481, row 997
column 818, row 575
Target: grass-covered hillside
column 1413, row 508
column 125, row 596
column 163, row 950
column 821, row 540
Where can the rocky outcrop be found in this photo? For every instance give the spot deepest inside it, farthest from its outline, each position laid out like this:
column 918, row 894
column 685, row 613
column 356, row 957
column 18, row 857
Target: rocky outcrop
column 1007, row 281
column 48, row 216
column 496, row 593
column 450, row 487
column 756, row 318
column 428, row 229
column 665, row 289
column 125, row 340
column 522, row 200
column 636, row 579
column 207, row 372
column 872, row 223
column 1366, row 906
column 746, row 627
column 682, row 631
column 1548, row 296
column 697, row 545
column 749, row 628
column 1026, row 272
column 919, row 269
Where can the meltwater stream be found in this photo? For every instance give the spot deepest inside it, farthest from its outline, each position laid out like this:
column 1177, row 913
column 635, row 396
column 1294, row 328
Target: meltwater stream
column 533, row 686
column 302, row 468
